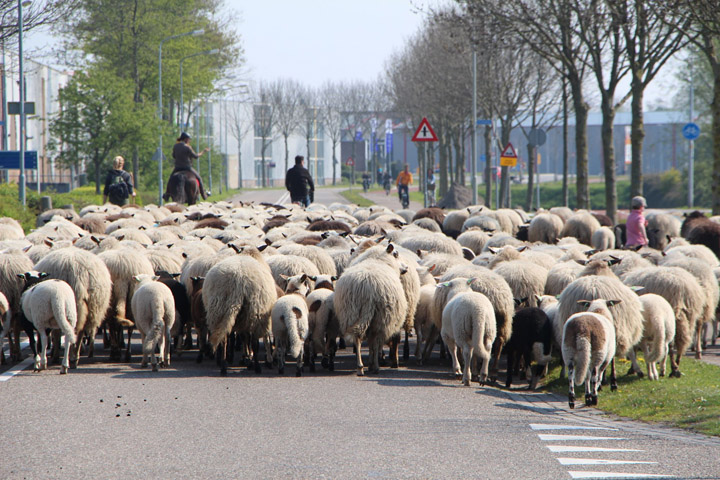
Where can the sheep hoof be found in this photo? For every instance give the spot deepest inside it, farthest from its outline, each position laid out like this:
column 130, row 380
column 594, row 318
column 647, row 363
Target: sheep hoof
column 63, row 370
column 594, row 400
column 281, row 371
column 613, row 388
column 223, row 371
column 571, row 404
column 374, row 370
column 676, row 374
column 143, row 365
column 588, row 400
column 298, row 373
column 466, row 382
column 631, row 370
column 331, row 367
column 325, row 362
column 360, row 372
column 640, row 374
column 312, row 367
column 154, row 367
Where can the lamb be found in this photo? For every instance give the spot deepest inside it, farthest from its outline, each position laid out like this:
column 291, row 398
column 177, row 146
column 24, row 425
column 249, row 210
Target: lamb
column 603, row 239
column 588, row 347
column 323, row 326
column 239, row 293
column 370, row 303
column 626, row 314
column 290, row 329
column 581, row 226
column 153, row 308
column 661, row 228
column 47, row 305
column 434, row 213
column 468, row 323
column 545, row 228
column 658, row 332
column 90, row 280
column 686, row 297
column 531, row 340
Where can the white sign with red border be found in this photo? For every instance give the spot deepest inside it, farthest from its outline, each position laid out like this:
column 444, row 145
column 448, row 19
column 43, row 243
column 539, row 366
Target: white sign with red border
column 424, row 132
column 508, row 157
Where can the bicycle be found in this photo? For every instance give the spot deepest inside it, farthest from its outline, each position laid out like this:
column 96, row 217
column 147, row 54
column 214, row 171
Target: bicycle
column 404, row 198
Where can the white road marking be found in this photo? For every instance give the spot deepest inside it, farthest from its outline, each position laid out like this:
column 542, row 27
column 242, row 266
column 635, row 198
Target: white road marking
column 574, row 438
column 597, row 461
column 575, row 474
column 284, row 198
column 570, row 448
column 549, row 426
column 7, row 375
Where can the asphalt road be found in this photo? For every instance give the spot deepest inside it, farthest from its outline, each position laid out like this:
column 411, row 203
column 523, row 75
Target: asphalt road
column 108, row 420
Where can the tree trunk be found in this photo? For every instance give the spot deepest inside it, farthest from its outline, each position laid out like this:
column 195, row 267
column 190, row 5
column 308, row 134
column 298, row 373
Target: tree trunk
column 443, row 187
column 334, row 160
column 488, row 166
column 97, row 176
column 287, row 153
column 504, row 171
column 530, row 171
column 637, row 137
column 447, row 145
column 716, row 135
column 240, row 175
column 608, row 113
column 581, row 148
column 136, row 167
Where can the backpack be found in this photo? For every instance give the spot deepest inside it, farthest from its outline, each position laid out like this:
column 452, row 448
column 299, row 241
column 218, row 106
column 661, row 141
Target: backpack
column 118, row 190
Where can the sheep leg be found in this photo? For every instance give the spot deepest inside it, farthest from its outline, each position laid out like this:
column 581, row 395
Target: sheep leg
column 590, row 386
column 699, row 343
column 222, row 357
column 375, row 348
column 358, row 357
column 430, row 344
column 166, row 350
column 395, row 351
column 56, row 343
column 496, row 351
column 450, row 342
column 144, row 361
column 613, row 379
column 66, row 356
column 406, row 346
column 256, row 353
column 571, row 383
column 634, row 365
column 153, row 356
column 418, row 343
column 331, row 348
column 510, row 364
column 41, row 355
column 280, row 356
column 231, row 338
column 467, row 352
column 267, row 343
column 14, row 339
column 675, row 357
column 311, row 355
column 128, row 351
column 299, row 363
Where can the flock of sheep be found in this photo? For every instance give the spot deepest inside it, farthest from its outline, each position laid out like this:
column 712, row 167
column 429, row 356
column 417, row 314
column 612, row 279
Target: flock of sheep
column 486, row 281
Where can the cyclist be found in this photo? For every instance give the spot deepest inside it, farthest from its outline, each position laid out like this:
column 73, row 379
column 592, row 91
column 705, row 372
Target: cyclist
column 366, row 181
column 386, row 182
column 403, row 182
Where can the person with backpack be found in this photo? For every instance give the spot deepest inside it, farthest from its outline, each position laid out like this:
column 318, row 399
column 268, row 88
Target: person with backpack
column 118, row 184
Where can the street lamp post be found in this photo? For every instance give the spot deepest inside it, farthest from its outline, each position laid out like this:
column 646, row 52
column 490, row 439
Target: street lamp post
column 160, row 145
column 21, row 189
column 182, row 105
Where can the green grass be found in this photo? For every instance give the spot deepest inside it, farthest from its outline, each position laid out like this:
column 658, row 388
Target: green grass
column 353, row 196
column 691, row 402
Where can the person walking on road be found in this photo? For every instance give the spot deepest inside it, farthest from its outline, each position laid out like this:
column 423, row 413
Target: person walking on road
column 184, row 154
column 299, row 183
column 403, row 182
column 636, row 223
column 118, row 184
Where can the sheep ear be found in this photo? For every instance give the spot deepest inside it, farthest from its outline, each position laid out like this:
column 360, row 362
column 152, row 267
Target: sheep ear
column 636, row 248
column 468, row 254
column 583, row 303
column 581, row 262
column 443, row 284
column 324, row 235
column 313, row 278
column 48, row 242
column 43, row 274
column 352, row 250
column 493, row 250
column 262, row 247
column 390, row 248
column 283, row 276
column 26, row 249
column 614, row 261
column 522, row 248
column 590, row 253
column 612, row 303
column 155, row 278
column 184, row 255
column 432, row 267
column 175, row 275
column 538, row 298
column 121, row 238
column 470, row 280
column 268, row 242
column 136, row 278
column 21, row 275
column 380, row 239
column 234, row 247
column 303, row 277
column 668, row 238
column 637, row 288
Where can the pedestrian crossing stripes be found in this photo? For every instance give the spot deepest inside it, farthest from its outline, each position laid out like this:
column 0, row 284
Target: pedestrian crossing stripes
column 581, row 461
column 11, row 372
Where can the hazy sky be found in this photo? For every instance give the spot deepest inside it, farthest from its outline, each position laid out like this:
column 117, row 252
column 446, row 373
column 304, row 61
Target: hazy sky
column 313, row 41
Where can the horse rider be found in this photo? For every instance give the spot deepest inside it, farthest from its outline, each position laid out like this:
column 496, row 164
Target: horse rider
column 184, row 154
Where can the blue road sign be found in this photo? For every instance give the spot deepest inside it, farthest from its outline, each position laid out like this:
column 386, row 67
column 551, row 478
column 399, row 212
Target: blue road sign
column 484, row 122
column 10, row 160
column 691, row 131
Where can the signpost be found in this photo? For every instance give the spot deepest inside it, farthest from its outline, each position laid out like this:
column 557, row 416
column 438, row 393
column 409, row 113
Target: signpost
column 424, row 133
column 10, row 160
column 508, row 157
column 351, row 163
column 691, row 131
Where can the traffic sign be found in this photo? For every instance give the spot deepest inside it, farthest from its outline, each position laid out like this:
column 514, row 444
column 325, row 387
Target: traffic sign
column 537, row 137
column 350, row 162
column 691, row 131
column 508, row 157
column 10, row 160
column 424, row 132
column 484, row 122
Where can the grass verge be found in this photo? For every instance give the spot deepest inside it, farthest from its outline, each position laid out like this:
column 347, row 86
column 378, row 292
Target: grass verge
column 353, row 196
column 691, row 402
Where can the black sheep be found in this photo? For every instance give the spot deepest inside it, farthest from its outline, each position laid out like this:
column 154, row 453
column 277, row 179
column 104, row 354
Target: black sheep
column 531, row 339
column 182, row 303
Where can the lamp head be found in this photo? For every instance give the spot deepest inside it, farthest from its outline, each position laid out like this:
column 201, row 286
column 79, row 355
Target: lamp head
column 200, row 31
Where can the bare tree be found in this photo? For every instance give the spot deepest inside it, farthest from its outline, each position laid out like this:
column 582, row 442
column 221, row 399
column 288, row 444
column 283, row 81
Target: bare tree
column 285, row 97
column 264, row 119
column 241, row 123
column 330, row 99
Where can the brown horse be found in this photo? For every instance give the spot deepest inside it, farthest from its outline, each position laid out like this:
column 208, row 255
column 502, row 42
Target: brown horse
column 183, row 187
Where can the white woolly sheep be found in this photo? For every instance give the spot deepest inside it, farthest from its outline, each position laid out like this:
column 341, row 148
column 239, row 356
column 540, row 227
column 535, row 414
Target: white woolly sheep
column 684, row 294
column 290, row 329
column 468, row 323
column 239, row 293
column 474, row 239
column 661, row 229
column 153, row 308
column 581, row 226
column 525, row 279
column 283, row 266
column 453, row 222
column 588, row 347
column 323, row 328
column 545, row 228
column 603, row 239
column 658, row 332
column 12, row 264
column 48, row 305
column 370, row 303
column 483, row 222
column 324, row 262
column 90, row 281
column 10, row 229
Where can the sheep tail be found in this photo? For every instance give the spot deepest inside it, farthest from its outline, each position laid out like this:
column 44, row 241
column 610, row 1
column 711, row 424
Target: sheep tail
column 65, row 315
column 582, row 359
column 291, row 324
column 156, row 330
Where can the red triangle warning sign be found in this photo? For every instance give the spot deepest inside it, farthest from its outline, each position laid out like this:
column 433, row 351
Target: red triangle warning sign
column 424, row 132
column 508, row 157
